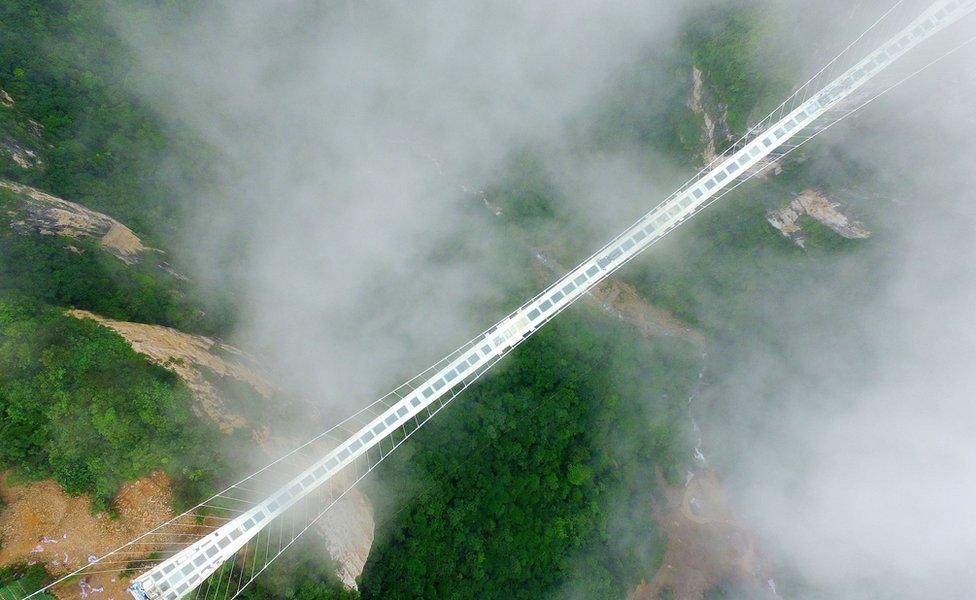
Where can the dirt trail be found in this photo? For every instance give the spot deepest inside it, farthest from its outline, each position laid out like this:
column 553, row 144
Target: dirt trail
column 50, row 215
column 188, row 356
column 40, row 523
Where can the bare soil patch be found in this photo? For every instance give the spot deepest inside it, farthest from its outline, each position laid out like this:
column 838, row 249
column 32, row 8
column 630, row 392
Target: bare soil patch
column 707, row 546
column 42, row 524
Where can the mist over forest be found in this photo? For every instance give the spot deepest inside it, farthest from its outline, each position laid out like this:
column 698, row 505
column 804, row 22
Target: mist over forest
column 227, row 227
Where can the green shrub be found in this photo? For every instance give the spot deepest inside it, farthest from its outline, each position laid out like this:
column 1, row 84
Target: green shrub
column 79, row 405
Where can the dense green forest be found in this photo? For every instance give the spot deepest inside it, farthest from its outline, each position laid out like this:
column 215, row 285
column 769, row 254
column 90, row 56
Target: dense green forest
column 510, row 494
column 517, row 493
column 79, row 405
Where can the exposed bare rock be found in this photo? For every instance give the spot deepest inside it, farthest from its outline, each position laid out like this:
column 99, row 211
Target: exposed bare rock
column 715, row 126
column 621, row 300
column 36, row 129
column 707, row 545
column 169, row 270
column 190, row 357
column 21, row 151
column 817, row 206
column 348, row 530
column 696, row 105
column 21, row 155
column 50, row 215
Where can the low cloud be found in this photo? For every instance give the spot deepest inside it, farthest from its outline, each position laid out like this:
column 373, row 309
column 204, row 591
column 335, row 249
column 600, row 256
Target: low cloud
column 348, row 135
column 859, row 470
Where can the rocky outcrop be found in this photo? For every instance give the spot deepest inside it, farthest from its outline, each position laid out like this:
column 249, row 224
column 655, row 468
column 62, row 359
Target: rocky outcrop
column 21, row 155
column 697, row 107
column 715, row 127
column 193, row 358
column 49, row 215
column 707, row 545
column 820, row 208
column 348, row 526
column 22, row 150
column 348, row 530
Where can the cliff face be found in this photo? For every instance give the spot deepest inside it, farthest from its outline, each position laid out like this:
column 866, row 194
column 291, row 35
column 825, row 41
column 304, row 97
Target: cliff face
column 818, row 207
column 715, row 120
column 196, row 359
column 348, row 527
column 696, row 104
column 45, row 214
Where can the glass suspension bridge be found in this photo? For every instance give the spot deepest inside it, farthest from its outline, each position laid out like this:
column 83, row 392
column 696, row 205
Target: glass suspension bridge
column 217, row 548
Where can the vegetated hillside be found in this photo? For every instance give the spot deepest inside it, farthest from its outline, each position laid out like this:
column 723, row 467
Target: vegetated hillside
column 63, row 70
column 721, row 273
column 67, row 255
column 722, row 42
column 81, row 407
column 71, row 128
column 77, row 404
column 542, row 480
column 542, row 470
